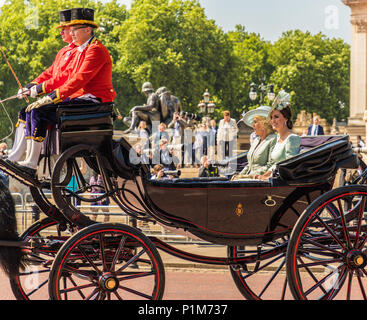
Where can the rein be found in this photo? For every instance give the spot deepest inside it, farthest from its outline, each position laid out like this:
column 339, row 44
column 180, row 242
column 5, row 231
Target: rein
column 12, row 97
column 7, row 114
column 12, row 71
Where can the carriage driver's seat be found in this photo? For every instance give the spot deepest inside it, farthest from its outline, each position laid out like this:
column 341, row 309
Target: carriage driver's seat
column 92, row 125
column 85, row 124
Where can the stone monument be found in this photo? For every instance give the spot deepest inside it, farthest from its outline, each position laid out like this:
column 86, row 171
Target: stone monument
column 358, row 67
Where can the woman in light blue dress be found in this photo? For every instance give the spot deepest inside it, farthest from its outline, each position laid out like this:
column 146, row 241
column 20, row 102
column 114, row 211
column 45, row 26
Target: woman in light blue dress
column 287, row 143
column 258, row 156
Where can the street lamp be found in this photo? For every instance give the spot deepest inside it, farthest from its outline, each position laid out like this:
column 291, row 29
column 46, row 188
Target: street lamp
column 262, row 88
column 206, row 106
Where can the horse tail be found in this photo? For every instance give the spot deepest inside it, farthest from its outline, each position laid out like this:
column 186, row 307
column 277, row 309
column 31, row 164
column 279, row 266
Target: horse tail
column 11, row 258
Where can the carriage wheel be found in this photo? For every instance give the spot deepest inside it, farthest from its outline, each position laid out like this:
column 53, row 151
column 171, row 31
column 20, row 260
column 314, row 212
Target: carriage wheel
column 31, row 284
column 107, row 262
column 265, row 273
column 327, row 256
column 257, row 280
column 70, row 186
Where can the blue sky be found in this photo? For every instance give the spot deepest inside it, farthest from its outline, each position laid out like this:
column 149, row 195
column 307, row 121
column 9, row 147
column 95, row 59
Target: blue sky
column 270, row 18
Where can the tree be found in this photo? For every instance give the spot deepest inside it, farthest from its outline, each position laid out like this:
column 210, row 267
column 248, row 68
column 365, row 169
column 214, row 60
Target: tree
column 31, row 41
column 171, row 44
column 251, row 56
column 315, row 70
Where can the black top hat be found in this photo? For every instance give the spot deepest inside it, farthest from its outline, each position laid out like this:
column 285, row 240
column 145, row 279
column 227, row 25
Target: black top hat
column 82, row 16
column 65, row 16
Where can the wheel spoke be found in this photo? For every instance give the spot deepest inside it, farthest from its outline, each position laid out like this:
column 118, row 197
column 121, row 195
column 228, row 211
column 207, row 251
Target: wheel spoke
column 80, row 287
column 319, row 245
column 344, row 224
column 133, row 259
column 361, row 286
column 117, row 295
column 37, row 288
column 79, row 291
column 93, row 295
column 331, row 232
column 85, row 255
column 265, row 265
column 140, row 294
column 117, row 253
column 359, row 221
column 313, row 277
column 349, row 286
column 102, row 253
column 272, row 277
column 136, row 275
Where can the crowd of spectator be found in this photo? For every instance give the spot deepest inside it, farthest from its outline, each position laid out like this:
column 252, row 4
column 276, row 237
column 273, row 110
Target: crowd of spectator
column 185, row 143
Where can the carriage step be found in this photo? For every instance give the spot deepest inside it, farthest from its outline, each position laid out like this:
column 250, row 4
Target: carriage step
column 19, row 174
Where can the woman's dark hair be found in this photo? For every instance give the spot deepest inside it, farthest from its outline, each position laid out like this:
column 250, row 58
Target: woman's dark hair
column 287, row 113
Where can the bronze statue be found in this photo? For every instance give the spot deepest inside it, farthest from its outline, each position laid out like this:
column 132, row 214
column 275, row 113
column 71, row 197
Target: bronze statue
column 169, row 104
column 160, row 107
column 149, row 112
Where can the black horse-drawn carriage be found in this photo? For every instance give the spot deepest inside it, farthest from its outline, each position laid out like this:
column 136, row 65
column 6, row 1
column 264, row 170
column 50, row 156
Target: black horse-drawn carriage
column 295, row 226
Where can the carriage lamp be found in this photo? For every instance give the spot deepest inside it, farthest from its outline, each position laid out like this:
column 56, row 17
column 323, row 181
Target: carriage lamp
column 262, row 88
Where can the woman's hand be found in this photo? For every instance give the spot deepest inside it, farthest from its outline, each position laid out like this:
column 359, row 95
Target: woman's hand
column 264, row 176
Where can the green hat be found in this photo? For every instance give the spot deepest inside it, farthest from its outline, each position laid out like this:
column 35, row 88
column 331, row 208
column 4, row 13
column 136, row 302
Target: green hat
column 281, row 101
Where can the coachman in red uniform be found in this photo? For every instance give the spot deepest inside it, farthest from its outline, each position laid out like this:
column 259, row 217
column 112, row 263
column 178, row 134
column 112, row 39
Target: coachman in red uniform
column 89, row 82
column 53, row 77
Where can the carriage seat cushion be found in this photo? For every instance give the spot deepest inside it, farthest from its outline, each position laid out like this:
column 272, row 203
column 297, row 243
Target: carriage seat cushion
column 85, row 117
column 90, row 124
column 318, row 164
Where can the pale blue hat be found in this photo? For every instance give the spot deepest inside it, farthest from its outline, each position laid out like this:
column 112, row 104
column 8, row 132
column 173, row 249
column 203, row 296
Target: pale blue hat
column 248, row 117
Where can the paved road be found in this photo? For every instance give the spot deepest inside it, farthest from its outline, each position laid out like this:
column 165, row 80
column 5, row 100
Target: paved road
column 180, row 285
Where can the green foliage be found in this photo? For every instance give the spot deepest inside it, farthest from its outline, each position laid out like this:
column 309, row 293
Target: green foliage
column 315, row 70
column 30, row 39
column 172, row 43
column 251, row 55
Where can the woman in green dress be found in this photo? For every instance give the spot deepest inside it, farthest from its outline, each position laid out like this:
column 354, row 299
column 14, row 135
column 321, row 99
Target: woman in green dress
column 287, row 143
column 258, row 156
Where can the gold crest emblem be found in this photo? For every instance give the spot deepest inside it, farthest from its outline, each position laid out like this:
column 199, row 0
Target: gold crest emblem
column 239, row 210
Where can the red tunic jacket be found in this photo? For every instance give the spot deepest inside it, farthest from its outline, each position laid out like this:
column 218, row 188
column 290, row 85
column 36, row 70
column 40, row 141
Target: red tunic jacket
column 57, row 74
column 90, row 73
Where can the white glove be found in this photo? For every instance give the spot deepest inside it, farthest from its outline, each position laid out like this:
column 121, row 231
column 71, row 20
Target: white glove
column 22, row 93
column 33, row 92
column 39, row 103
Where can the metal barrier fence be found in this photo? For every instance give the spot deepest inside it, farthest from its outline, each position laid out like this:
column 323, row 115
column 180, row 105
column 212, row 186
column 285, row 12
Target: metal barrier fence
column 24, row 203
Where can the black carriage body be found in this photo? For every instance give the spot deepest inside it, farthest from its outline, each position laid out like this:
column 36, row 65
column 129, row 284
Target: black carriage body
column 231, row 212
column 252, row 211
